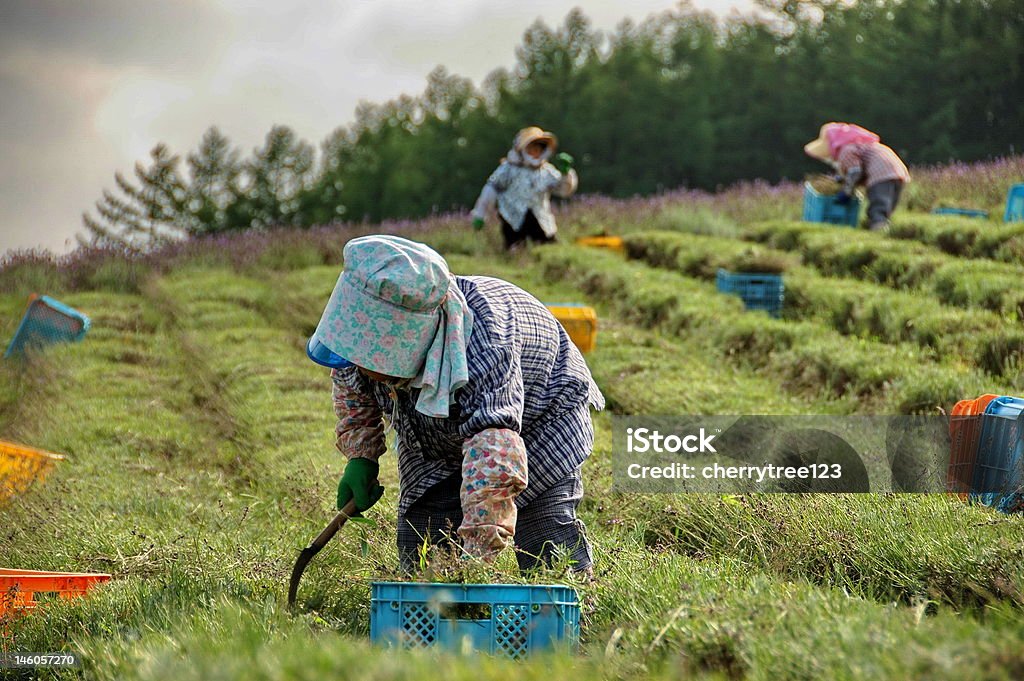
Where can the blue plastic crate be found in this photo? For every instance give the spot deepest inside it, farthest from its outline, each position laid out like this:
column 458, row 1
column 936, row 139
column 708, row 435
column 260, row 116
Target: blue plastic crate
column 1014, row 204
column 963, row 212
column 758, row 291
column 512, row 620
column 47, row 321
column 998, row 477
column 823, row 208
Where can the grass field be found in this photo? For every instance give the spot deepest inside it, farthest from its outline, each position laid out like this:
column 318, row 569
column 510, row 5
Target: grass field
column 200, row 455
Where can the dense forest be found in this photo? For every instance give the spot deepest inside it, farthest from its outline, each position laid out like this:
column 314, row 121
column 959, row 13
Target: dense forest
column 684, row 98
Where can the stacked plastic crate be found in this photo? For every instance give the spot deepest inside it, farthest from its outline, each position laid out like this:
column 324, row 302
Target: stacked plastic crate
column 987, row 457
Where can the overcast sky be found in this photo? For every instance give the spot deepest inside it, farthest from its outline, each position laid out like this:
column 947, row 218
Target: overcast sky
column 88, row 88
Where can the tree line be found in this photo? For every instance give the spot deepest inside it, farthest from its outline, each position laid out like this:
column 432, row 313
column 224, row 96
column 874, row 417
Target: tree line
column 683, row 98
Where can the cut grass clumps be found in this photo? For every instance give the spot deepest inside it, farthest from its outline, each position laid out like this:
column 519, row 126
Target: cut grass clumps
column 967, row 237
column 968, row 283
column 201, row 459
column 855, row 253
column 973, row 284
column 757, row 262
column 702, row 256
column 640, row 294
column 807, row 357
column 695, row 221
column 869, row 310
column 953, row 235
column 824, row 184
column 767, row 626
column 981, row 338
column 905, row 548
column 646, row 372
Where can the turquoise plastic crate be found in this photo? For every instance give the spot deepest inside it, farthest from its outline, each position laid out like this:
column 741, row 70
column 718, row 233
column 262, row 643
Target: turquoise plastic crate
column 510, row 620
column 963, row 212
column 823, row 208
column 998, row 475
column 1014, row 204
column 758, row 291
column 47, row 321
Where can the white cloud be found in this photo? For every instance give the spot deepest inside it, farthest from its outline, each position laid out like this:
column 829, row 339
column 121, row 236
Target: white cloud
column 137, row 111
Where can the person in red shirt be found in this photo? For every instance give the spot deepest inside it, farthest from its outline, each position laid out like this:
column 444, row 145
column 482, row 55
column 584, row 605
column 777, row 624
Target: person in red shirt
column 861, row 159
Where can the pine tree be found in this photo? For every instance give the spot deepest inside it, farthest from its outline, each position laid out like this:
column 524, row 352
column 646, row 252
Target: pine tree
column 149, row 213
column 214, row 191
column 277, row 176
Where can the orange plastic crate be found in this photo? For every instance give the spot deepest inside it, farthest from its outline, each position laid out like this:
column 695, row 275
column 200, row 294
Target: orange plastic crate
column 610, row 242
column 21, row 465
column 964, row 432
column 18, row 588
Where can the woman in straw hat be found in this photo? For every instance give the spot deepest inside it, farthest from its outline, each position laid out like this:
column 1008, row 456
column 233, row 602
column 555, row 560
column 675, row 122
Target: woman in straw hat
column 488, row 398
column 861, row 158
column 522, row 185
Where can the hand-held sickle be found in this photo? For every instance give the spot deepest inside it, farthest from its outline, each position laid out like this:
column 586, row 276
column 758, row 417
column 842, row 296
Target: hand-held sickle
column 314, row 547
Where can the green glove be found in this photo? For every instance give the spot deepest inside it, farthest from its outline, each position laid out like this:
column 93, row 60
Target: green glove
column 478, row 223
column 563, row 162
column 359, row 481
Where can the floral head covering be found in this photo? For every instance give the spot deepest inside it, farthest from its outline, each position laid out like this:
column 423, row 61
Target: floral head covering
column 834, row 136
column 397, row 310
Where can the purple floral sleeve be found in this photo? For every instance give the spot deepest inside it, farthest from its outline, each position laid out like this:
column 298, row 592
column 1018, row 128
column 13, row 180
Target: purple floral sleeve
column 493, row 474
column 360, row 428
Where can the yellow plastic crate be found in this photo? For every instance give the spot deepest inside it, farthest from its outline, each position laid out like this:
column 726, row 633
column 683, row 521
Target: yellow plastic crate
column 579, row 321
column 610, row 242
column 21, row 465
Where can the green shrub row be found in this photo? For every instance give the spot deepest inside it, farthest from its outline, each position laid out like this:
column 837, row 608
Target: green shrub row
column 859, row 308
column 961, row 282
column 807, row 357
column 963, row 236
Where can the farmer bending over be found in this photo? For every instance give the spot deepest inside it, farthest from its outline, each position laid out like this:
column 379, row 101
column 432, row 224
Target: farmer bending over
column 861, row 158
column 488, row 398
column 522, row 186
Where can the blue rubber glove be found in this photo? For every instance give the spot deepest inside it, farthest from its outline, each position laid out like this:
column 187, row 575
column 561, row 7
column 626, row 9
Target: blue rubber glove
column 842, row 198
column 478, row 224
column 359, row 482
column 563, row 162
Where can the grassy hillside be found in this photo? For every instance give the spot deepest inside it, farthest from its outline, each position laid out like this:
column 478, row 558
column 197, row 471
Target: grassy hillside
column 200, row 454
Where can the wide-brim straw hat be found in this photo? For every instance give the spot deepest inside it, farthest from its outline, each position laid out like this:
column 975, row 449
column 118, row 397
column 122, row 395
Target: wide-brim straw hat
column 819, row 148
column 534, row 134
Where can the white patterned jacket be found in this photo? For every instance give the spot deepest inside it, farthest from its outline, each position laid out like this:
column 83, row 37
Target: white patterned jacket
column 516, row 187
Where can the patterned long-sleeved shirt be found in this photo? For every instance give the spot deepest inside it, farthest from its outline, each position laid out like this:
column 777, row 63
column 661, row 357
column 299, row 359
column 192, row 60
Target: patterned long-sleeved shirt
column 519, row 188
column 875, row 163
column 525, row 375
